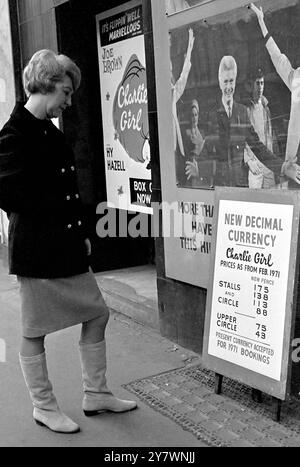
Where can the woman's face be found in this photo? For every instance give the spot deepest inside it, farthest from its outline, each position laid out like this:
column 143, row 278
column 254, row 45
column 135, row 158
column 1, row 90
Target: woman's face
column 194, row 117
column 61, row 98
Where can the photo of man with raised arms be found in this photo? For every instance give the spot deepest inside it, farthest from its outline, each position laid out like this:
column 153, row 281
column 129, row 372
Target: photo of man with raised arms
column 230, row 130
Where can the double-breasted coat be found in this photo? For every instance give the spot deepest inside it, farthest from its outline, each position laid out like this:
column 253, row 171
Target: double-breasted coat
column 226, row 144
column 39, row 192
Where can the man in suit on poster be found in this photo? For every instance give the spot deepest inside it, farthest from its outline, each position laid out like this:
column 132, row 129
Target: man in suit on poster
column 230, row 130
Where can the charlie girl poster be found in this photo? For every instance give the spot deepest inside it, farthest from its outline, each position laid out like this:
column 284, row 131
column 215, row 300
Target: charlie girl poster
column 124, row 97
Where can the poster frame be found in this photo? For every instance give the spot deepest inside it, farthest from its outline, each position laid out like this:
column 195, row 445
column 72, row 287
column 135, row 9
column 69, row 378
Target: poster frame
column 162, row 26
column 278, row 389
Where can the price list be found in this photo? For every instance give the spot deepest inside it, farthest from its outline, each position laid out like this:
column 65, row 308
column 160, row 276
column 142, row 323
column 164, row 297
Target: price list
column 249, row 293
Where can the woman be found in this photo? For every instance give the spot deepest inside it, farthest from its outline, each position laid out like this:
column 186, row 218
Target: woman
column 178, row 88
column 291, row 78
column 48, row 241
column 194, row 138
column 194, row 143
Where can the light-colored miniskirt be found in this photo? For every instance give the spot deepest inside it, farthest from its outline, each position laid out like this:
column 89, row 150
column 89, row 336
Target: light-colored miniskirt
column 49, row 305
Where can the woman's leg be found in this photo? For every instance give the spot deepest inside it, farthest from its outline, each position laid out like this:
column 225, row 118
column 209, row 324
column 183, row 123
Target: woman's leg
column 97, row 397
column 46, row 411
column 94, row 331
column 32, row 347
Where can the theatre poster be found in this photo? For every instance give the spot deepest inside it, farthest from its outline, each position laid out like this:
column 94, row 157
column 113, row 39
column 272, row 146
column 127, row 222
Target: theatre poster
column 215, row 135
column 124, row 98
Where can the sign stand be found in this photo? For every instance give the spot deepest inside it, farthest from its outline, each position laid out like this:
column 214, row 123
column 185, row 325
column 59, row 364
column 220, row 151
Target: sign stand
column 277, row 403
column 251, row 317
column 257, row 396
column 218, row 383
column 277, row 409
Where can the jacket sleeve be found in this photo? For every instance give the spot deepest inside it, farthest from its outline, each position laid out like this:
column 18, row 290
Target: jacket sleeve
column 290, row 76
column 181, row 83
column 14, row 196
column 17, row 193
column 281, row 63
column 262, row 153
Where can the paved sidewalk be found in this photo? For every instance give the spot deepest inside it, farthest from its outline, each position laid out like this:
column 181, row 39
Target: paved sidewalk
column 232, row 419
column 177, row 392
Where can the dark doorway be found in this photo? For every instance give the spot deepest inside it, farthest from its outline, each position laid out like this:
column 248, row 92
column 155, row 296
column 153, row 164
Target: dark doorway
column 76, row 30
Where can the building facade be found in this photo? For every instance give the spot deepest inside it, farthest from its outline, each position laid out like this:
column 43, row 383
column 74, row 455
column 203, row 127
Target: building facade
column 186, row 44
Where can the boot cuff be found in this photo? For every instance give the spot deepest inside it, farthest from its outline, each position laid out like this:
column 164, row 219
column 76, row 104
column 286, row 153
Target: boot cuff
column 34, row 359
column 93, row 347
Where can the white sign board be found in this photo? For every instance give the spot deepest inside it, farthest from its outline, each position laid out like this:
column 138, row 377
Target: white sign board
column 250, row 285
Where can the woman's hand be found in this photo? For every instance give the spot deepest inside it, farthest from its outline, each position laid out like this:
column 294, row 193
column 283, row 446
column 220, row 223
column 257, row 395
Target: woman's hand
column 191, row 169
column 88, row 246
column 292, row 171
column 260, row 16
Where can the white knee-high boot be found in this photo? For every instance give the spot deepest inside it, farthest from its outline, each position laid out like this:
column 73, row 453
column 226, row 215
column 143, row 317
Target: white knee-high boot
column 46, row 411
column 97, row 397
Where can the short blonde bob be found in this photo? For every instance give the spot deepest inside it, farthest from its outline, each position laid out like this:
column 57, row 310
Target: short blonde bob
column 45, row 69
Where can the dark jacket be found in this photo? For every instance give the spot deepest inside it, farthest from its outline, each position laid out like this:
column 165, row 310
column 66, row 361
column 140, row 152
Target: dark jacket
column 39, row 192
column 226, row 144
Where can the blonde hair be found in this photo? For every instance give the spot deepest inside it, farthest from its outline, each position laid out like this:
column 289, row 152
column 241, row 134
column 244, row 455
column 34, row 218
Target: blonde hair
column 227, row 63
column 45, row 69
